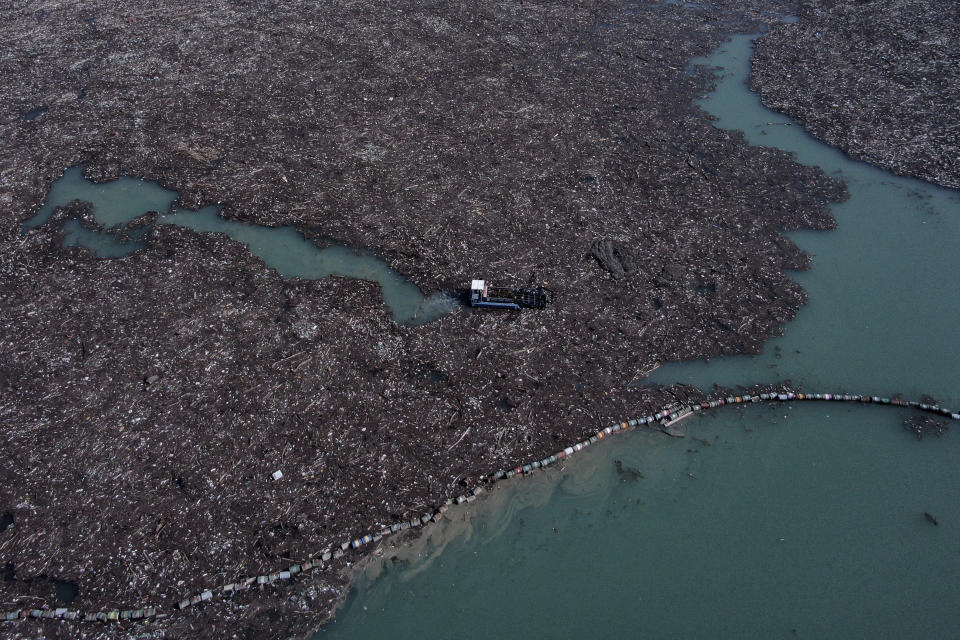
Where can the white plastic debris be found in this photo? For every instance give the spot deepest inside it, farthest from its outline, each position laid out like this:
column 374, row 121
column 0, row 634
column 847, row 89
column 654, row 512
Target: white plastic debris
column 276, row 475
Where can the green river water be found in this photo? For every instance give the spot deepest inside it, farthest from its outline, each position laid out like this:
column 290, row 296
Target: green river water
column 785, row 521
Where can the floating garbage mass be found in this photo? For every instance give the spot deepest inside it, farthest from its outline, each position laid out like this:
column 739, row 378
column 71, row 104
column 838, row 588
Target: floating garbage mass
column 666, row 416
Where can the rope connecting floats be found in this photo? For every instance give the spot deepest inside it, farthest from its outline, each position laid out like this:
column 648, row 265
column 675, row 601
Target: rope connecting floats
column 318, row 560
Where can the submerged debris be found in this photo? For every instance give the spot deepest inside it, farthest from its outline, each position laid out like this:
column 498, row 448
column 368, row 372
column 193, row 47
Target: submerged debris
column 924, row 426
column 627, row 472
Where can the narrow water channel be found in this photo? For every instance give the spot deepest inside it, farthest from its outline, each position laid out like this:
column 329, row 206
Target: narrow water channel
column 117, row 203
column 884, row 298
column 765, row 522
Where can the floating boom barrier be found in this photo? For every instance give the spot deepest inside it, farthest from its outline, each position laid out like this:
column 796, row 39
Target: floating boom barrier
column 667, row 415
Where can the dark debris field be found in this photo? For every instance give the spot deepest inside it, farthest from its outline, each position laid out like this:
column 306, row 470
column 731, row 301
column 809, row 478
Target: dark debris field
column 146, row 401
column 878, row 79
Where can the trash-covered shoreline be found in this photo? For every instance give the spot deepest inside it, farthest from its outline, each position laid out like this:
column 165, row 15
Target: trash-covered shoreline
column 879, row 80
column 146, row 403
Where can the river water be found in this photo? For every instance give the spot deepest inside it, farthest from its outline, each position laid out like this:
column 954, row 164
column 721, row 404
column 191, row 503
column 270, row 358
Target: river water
column 766, row 521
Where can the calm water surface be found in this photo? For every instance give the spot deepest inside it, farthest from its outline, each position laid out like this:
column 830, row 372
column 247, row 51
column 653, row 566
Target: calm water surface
column 768, row 522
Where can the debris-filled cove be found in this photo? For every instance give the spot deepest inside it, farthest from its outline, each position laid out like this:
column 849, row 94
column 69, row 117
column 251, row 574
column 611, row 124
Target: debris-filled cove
column 124, row 210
